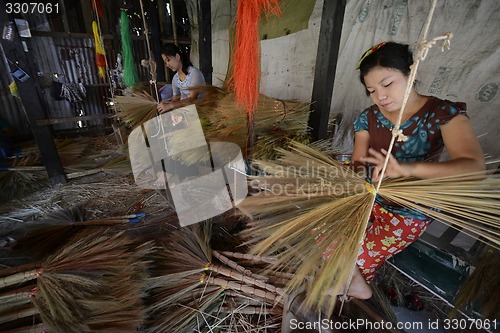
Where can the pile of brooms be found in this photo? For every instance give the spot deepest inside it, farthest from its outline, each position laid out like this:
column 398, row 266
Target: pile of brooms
column 106, row 275
column 79, row 157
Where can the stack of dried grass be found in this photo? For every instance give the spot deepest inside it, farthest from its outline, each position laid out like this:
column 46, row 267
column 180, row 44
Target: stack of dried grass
column 27, row 175
column 222, row 119
column 197, row 289
column 107, row 275
column 94, row 283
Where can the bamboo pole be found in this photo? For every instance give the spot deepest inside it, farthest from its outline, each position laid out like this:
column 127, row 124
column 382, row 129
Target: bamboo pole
column 18, row 314
column 246, row 279
column 232, row 264
column 248, row 256
column 235, row 285
column 19, row 278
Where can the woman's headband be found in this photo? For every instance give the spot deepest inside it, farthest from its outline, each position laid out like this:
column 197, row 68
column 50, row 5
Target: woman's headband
column 371, row 50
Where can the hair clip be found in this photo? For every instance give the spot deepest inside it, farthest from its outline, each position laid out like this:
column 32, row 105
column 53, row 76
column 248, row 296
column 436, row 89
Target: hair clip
column 371, row 50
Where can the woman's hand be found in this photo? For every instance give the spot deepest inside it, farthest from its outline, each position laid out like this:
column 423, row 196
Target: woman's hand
column 164, row 107
column 394, row 168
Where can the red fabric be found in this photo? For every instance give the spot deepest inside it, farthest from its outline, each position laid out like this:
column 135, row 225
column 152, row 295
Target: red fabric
column 388, row 235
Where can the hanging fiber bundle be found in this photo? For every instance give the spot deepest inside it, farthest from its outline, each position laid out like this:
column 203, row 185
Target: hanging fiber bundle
column 246, row 72
column 130, row 78
column 97, row 8
column 100, row 56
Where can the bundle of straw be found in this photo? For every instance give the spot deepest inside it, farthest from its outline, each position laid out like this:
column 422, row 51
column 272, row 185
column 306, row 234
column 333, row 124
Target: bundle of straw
column 94, row 284
column 192, row 282
column 117, row 166
column 481, row 289
column 310, row 202
column 137, row 109
column 49, row 233
column 276, row 121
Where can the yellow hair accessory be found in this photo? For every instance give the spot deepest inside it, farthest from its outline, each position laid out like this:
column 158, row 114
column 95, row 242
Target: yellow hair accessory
column 369, row 187
column 371, row 50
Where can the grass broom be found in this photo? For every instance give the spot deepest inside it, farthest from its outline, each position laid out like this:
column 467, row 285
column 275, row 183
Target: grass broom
column 93, row 284
column 187, row 267
column 299, row 225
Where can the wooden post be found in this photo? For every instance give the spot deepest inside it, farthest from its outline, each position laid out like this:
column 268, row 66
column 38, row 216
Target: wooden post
column 205, row 39
column 18, row 52
column 154, row 26
column 326, row 62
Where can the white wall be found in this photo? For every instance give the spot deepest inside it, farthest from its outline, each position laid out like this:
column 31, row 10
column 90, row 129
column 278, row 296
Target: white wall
column 468, row 72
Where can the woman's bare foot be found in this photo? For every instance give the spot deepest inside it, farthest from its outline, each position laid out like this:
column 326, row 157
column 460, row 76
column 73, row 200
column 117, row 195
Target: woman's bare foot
column 358, row 287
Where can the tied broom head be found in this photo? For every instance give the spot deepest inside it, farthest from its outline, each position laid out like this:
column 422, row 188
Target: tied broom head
column 191, row 290
column 94, row 284
column 276, row 121
column 177, row 286
column 135, row 110
column 298, row 225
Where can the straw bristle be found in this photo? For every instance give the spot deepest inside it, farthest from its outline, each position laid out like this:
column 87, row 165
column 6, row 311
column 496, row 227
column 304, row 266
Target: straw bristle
column 309, row 203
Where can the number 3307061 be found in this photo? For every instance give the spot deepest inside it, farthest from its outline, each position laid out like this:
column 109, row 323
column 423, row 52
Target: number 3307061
column 31, row 8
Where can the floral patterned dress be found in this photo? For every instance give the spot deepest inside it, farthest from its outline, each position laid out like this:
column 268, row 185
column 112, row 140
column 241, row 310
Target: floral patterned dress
column 393, row 227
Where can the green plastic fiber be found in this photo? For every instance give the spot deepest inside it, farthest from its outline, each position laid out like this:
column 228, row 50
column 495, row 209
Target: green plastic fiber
column 130, row 77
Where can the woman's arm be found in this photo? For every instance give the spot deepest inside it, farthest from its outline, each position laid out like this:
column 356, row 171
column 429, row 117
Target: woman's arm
column 361, row 145
column 175, row 103
column 463, row 149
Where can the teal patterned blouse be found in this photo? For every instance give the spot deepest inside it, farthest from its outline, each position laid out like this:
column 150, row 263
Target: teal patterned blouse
column 424, row 142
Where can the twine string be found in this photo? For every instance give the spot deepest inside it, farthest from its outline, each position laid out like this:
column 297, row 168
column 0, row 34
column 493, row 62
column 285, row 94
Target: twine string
column 422, row 51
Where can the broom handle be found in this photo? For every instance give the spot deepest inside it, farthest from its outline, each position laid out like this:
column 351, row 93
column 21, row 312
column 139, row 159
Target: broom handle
column 246, row 279
column 18, row 294
column 250, row 257
column 235, row 285
column 225, row 260
column 40, row 328
column 252, row 310
column 19, row 278
column 18, row 314
column 24, row 168
column 84, row 173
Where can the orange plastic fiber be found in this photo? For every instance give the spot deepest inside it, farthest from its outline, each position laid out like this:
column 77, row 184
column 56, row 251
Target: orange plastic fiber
column 246, row 69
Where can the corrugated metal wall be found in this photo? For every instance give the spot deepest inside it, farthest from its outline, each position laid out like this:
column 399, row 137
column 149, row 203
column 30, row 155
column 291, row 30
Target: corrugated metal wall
column 11, row 109
column 73, row 60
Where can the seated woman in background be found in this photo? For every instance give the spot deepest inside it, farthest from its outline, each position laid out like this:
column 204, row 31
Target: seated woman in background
column 186, row 76
column 430, row 125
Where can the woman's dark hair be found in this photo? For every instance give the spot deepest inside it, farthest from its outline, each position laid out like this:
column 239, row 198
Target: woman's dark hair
column 389, row 55
column 171, row 50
